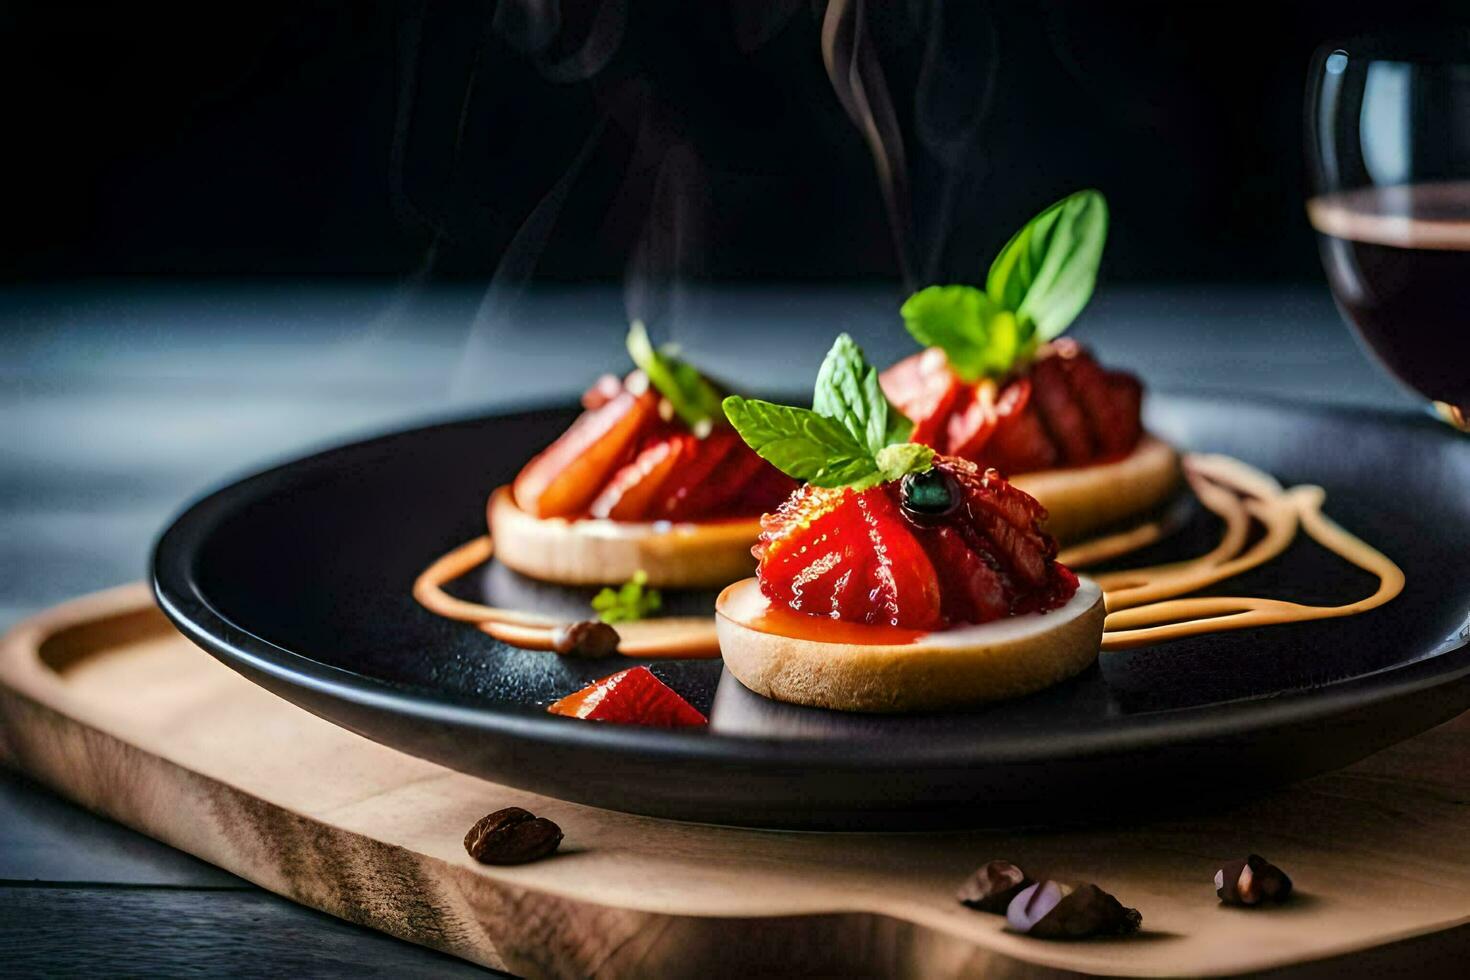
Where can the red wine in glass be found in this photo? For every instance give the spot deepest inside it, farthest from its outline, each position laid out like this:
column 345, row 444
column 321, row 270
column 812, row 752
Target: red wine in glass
column 1389, row 138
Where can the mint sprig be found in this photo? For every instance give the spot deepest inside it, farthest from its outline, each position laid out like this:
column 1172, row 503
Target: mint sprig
column 1046, row 273
column 850, row 437
column 692, row 396
column 1036, row 287
column 629, row 602
column 978, row 337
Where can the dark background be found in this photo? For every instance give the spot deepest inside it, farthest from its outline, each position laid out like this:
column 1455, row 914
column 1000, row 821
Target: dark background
column 696, row 138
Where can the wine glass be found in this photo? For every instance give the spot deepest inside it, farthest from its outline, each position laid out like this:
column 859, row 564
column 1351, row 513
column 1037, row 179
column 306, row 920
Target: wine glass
column 1388, row 140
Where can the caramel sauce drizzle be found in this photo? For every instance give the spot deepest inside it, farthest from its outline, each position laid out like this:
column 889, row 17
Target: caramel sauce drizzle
column 674, row 636
column 1145, row 605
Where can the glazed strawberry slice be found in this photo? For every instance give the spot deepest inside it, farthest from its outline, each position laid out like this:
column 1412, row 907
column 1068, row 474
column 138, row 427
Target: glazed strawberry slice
column 972, row 421
column 907, row 383
column 971, row 590
column 926, row 391
column 1127, row 392
column 1060, row 411
column 633, row 490
column 1109, row 401
column 1020, row 443
column 630, row 697
column 848, row 555
column 879, row 557
column 1010, row 521
column 761, row 491
column 723, row 492
column 694, row 484
column 565, row 477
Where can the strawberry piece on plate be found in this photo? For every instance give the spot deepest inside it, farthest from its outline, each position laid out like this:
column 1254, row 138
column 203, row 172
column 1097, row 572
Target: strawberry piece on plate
column 630, row 697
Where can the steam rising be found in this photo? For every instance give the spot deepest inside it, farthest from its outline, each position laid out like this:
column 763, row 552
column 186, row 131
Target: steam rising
column 664, row 187
column 857, row 78
column 534, row 26
column 950, row 109
column 670, row 249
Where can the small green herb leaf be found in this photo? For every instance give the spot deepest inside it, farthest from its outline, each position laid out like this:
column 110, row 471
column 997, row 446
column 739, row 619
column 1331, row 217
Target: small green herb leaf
column 846, row 439
column 629, row 602
column 1046, row 272
column 847, row 390
column 802, row 444
column 693, row 397
column 897, row 462
column 977, row 335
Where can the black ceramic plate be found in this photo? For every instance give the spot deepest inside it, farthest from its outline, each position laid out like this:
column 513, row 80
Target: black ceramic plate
column 299, row 578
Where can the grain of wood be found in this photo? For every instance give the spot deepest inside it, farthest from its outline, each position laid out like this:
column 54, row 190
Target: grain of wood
column 102, row 699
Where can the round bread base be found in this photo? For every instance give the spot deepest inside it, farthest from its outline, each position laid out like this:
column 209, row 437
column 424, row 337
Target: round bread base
column 952, row 668
column 1084, row 499
column 595, row 551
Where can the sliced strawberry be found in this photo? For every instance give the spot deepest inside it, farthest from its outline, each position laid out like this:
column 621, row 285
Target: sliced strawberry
column 630, row 697
column 564, row 478
column 634, row 490
column 1060, row 412
column 903, row 584
column 687, row 494
column 910, row 383
column 1127, row 394
column 867, row 557
column 603, row 390
column 1020, row 443
column 758, row 493
column 1010, row 520
column 972, row 421
column 848, row 555
column 971, row 590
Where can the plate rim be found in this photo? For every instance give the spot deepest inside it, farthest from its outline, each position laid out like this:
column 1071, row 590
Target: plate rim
column 180, row 597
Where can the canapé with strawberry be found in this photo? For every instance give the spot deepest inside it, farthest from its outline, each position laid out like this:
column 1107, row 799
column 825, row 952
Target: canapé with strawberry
column 650, row 477
column 997, row 384
column 896, row 578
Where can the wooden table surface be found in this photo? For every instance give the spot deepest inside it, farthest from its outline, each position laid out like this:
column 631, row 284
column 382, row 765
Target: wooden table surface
column 119, row 402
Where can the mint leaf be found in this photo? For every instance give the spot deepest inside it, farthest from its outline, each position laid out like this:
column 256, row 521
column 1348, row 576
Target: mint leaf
column 978, row 336
column 693, row 397
column 1046, row 272
column 896, row 462
column 847, row 390
column 846, row 439
column 629, row 602
column 803, row 444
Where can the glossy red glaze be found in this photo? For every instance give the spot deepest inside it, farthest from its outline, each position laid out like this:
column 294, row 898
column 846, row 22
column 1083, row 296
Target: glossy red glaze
column 565, row 477
column 623, row 460
column 630, row 697
column 1063, row 409
column 782, row 621
column 860, row 557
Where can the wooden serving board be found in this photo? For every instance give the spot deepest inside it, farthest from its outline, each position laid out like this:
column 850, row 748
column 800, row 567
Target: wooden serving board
column 103, row 700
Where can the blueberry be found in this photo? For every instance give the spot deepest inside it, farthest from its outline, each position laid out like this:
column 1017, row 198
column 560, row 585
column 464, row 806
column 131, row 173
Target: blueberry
column 928, row 494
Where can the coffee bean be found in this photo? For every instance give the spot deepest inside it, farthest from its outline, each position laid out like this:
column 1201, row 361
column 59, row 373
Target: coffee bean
column 991, row 888
column 1251, row 882
column 512, row 836
column 1055, row 910
column 586, row 638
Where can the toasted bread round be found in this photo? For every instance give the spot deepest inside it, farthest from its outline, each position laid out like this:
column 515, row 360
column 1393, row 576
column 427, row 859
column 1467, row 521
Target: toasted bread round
column 1083, row 499
column 952, row 668
column 594, row 551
